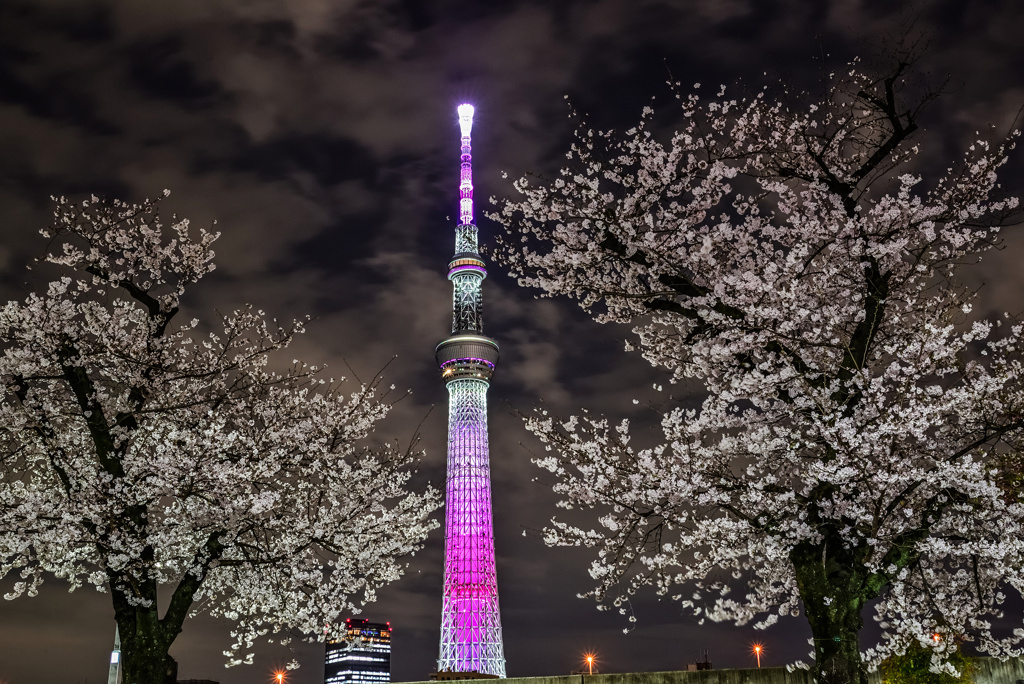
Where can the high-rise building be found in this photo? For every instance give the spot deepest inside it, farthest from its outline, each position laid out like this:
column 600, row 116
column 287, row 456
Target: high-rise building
column 363, row 655
column 470, row 621
column 114, row 673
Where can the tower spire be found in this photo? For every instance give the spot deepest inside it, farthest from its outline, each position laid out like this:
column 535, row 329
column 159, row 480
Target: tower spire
column 466, row 175
column 470, row 619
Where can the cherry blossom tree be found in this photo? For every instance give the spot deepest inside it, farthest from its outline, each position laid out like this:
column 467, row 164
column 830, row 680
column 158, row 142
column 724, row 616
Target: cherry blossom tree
column 801, row 264
column 167, row 462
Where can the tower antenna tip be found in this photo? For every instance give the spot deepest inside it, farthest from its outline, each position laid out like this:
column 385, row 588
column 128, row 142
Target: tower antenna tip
column 466, row 119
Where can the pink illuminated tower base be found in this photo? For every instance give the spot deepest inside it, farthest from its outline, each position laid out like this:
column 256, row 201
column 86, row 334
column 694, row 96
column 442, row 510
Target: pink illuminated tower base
column 470, row 621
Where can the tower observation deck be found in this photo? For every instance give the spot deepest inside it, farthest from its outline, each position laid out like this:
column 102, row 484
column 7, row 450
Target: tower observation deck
column 470, row 621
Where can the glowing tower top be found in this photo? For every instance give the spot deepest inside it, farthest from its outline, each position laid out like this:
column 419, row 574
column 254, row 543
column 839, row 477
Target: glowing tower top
column 470, row 620
column 466, row 175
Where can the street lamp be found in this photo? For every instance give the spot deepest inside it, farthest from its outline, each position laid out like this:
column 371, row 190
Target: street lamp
column 589, row 659
column 757, row 651
column 279, row 677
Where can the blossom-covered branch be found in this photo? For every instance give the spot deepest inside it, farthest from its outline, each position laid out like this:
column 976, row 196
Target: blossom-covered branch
column 859, row 422
column 140, row 453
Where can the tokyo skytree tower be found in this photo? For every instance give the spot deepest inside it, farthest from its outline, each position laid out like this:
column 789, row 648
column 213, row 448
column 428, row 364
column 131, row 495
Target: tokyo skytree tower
column 470, row 621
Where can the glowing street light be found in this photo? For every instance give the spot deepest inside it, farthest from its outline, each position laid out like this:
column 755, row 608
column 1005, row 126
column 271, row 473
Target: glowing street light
column 757, row 652
column 589, row 659
column 279, row 677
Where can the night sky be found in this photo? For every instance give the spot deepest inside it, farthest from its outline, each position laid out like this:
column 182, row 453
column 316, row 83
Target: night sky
column 321, row 136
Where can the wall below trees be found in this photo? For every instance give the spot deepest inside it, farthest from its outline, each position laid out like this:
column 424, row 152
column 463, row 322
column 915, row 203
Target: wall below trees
column 992, row 671
column 987, row 671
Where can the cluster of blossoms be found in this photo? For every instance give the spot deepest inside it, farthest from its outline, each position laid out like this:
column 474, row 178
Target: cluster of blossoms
column 141, row 453
column 859, row 425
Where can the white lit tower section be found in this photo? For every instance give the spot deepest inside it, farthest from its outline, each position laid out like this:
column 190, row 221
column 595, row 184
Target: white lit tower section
column 470, row 621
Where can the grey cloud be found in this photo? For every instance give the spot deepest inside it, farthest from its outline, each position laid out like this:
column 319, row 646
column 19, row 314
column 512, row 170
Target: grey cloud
column 320, row 135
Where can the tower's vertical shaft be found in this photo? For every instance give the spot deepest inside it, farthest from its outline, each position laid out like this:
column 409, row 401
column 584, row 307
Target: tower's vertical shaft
column 470, row 621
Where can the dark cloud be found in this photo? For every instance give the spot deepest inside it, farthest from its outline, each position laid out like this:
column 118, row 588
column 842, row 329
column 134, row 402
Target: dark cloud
column 321, row 136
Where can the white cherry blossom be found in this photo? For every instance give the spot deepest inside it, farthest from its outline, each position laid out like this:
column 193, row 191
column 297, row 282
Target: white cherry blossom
column 143, row 451
column 860, row 435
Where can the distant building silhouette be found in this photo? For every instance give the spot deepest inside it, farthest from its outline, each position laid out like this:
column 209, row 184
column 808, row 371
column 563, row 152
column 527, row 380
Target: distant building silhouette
column 700, row 664
column 363, row 655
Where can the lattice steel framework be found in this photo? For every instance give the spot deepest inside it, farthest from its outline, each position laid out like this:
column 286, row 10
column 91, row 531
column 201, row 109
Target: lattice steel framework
column 470, row 620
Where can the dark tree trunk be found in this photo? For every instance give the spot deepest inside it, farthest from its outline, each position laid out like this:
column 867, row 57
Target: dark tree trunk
column 145, row 648
column 834, row 587
column 146, row 638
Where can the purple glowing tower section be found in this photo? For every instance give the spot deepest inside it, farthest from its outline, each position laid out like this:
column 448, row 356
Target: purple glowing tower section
column 470, row 621
column 466, row 174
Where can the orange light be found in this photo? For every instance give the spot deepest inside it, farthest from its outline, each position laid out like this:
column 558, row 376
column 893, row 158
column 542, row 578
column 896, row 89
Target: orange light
column 590, row 658
column 757, row 649
column 279, row 677
column 936, row 637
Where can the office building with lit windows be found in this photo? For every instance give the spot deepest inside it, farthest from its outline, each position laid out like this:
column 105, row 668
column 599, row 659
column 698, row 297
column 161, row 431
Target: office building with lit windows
column 363, row 655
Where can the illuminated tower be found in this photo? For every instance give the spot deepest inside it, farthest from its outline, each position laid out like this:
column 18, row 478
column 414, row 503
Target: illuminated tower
column 470, row 622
